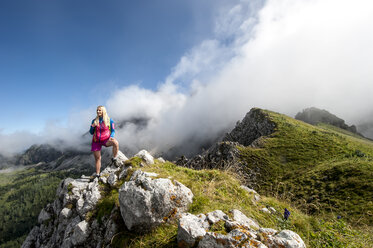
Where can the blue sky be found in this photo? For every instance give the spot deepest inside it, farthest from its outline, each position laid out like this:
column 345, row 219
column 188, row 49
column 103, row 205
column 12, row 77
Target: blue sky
column 63, row 55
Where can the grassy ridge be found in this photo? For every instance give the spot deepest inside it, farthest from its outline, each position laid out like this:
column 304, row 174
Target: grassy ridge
column 214, row 190
column 322, row 168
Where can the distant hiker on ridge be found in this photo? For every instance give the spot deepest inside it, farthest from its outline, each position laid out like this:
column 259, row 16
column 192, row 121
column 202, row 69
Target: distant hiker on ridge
column 103, row 131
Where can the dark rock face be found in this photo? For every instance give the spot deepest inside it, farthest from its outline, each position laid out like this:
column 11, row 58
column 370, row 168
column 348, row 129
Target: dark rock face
column 314, row 116
column 221, row 155
column 39, row 153
column 255, row 124
column 225, row 154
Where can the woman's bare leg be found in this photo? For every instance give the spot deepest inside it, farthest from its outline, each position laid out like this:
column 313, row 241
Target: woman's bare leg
column 97, row 155
column 115, row 144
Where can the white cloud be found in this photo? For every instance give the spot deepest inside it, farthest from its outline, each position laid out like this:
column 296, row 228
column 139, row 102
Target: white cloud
column 283, row 55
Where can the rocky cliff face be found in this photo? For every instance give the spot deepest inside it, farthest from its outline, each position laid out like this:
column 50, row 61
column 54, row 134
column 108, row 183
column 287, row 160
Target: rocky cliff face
column 254, row 127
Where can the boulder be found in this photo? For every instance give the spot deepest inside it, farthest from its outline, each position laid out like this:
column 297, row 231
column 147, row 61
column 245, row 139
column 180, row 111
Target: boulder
column 143, row 154
column 242, row 234
column 216, row 216
column 160, row 159
column 239, row 217
column 273, row 211
column 217, row 240
column 196, row 231
column 120, row 159
column 248, row 189
column 285, row 238
column 265, row 210
column 191, row 229
column 145, row 202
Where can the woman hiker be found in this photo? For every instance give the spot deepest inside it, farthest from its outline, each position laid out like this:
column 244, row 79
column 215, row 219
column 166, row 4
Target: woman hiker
column 103, row 131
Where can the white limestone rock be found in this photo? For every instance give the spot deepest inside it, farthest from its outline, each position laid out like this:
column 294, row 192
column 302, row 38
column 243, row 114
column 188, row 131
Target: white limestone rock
column 81, row 233
column 241, row 234
column 256, row 198
column 143, row 154
column 145, row 202
column 191, row 229
column 217, row 240
column 243, row 220
column 160, row 159
column 285, row 238
column 265, row 210
column 43, row 216
column 65, row 214
column 120, row 159
column 273, row 211
column 267, row 231
column 112, row 179
column 248, row 189
column 216, row 216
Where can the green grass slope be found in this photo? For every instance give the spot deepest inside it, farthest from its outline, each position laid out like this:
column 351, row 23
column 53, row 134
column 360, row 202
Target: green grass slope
column 322, row 169
column 214, row 189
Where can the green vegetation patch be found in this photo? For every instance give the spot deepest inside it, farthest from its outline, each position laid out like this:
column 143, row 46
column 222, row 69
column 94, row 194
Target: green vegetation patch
column 107, row 203
column 21, row 201
column 215, row 189
column 320, row 168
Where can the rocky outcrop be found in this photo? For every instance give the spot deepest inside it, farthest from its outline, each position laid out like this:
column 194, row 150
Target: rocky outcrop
column 314, row 116
column 74, row 219
column 145, row 156
column 68, row 222
column 225, row 154
column 251, row 131
column 255, row 125
column 222, row 155
column 238, row 231
column 146, row 202
column 63, row 223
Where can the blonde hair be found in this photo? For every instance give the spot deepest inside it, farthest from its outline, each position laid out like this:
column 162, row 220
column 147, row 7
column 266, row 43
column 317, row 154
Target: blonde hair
column 105, row 117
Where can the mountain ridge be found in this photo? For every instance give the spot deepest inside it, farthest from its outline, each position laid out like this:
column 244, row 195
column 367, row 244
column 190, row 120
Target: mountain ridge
column 268, row 151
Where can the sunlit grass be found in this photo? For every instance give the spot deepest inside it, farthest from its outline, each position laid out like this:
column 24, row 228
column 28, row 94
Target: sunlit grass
column 215, row 189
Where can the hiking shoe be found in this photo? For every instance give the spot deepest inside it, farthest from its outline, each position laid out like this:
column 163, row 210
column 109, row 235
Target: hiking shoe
column 93, row 177
column 114, row 161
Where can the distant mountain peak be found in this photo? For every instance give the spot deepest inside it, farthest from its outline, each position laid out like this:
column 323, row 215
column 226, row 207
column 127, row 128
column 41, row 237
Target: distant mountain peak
column 315, row 115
